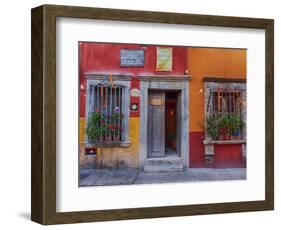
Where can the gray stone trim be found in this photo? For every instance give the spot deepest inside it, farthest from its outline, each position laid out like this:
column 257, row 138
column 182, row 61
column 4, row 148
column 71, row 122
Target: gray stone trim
column 126, row 106
column 223, row 79
column 226, row 142
column 123, row 144
column 217, row 85
column 174, row 78
column 154, row 83
column 209, row 153
column 115, row 77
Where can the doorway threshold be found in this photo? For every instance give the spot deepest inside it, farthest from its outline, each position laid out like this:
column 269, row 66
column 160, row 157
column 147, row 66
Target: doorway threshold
column 169, row 163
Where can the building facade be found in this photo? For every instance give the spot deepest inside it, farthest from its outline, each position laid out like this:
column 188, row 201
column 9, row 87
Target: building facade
column 154, row 107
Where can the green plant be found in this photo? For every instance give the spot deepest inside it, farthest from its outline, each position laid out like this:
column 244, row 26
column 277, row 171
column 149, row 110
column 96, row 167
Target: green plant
column 213, row 124
column 93, row 129
column 236, row 124
column 99, row 126
column 218, row 124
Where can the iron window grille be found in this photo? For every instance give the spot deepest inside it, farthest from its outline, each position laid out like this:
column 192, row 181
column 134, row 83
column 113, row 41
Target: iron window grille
column 224, row 102
column 105, row 117
column 226, row 106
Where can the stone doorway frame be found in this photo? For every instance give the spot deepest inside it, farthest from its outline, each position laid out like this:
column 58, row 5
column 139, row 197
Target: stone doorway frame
column 179, row 83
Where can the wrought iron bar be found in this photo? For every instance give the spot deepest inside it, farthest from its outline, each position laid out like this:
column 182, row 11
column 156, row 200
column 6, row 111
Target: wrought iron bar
column 110, row 112
column 122, row 106
column 119, row 110
column 106, row 115
column 93, row 98
column 114, row 111
column 102, row 114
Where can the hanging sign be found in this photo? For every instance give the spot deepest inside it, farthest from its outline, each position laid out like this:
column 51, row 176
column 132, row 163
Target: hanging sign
column 156, row 101
column 131, row 58
column 135, row 92
column 164, row 58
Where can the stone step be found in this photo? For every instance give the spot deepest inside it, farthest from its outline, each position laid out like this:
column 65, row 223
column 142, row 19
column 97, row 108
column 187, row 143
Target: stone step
column 163, row 165
column 171, row 160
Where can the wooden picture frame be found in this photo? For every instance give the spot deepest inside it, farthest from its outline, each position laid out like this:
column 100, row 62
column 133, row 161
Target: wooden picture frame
column 43, row 202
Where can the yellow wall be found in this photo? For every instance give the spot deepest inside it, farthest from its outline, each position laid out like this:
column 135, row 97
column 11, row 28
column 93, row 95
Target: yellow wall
column 114, row 157
column 210, row 62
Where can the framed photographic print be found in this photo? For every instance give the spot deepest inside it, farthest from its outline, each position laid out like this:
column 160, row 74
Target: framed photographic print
column 140, row 114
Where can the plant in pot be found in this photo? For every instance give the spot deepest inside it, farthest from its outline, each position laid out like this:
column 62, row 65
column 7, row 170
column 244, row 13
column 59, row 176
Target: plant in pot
column 93, row 129
column 213, row 125
column 236, row 124
column 225, row 129
column 117, row 121
column 172, row 140
column 107, row 132
column 116, row 133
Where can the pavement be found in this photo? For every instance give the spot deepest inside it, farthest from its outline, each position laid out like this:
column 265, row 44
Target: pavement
column 98, row 177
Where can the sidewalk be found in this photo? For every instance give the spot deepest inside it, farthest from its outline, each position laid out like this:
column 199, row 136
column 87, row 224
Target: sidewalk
column 95, row 177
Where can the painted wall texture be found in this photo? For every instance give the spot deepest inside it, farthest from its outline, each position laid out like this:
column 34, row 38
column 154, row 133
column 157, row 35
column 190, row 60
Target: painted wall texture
column 104, row 59
column 211, row 62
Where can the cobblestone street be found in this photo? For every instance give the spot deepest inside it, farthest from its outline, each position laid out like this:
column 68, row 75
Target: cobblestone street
column 95, row 177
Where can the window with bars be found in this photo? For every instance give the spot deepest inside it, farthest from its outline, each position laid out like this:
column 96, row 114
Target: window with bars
column 224, row 109
column 224, row 102
column 105, row 113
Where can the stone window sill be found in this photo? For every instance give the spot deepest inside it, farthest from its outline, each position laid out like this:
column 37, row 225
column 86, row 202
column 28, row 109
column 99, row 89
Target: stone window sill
column 112, row 144
column 224, row 142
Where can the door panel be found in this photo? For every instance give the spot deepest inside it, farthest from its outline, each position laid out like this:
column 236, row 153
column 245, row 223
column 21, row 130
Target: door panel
column 156, row 124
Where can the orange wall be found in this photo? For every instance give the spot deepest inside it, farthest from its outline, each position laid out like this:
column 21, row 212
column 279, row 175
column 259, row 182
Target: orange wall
column 210, row 62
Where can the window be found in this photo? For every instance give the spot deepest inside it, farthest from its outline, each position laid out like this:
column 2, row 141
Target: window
column 105, row 123
column 224, row 102
column 225, row 106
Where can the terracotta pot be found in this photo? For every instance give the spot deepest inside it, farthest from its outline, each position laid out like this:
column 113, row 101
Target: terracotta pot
column 116, row 138
column 227, row 136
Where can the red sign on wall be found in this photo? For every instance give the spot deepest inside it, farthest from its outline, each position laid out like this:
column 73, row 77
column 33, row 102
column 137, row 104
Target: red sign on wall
column 135, row 97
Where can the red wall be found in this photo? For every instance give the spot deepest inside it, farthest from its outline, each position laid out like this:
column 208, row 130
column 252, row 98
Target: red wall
column 104, row 58
column 226, row 156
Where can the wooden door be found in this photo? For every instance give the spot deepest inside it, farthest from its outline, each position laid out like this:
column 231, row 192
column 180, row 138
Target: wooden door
column 156, row 124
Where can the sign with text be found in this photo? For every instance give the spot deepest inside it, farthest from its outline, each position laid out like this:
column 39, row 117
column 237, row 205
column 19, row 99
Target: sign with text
column 156, row 101
column 130, row 58
column 164, row 60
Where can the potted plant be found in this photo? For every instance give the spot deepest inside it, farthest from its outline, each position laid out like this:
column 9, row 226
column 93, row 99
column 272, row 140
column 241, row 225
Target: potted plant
column 237, row 125
column 213, row 125
column 104, row 127
column 107, row 133
column 226, row 127
column 116, row 133
column 93, row 129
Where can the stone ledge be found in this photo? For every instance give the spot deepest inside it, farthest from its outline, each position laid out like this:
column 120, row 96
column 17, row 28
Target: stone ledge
column 165, row 78
column 224, row 142
column 224, row 79
column 124, row 144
